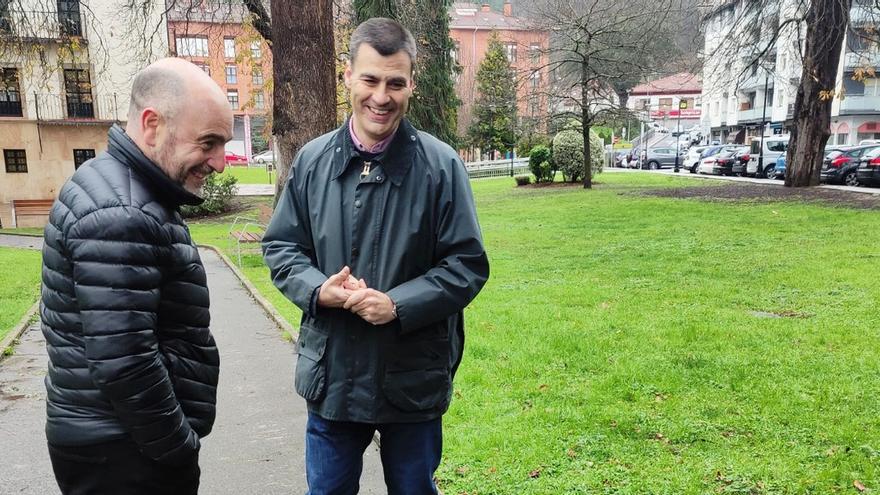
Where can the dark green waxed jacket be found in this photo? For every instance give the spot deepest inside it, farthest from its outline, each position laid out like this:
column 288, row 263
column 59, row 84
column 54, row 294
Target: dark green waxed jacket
column 410, row 230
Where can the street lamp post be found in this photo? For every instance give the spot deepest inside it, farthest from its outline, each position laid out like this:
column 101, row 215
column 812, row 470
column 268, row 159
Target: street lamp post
column 760, row 170
column 682, row 105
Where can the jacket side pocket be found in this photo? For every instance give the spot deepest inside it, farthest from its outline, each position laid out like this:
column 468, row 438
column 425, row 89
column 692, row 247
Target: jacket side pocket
column 418, row 378
column 310, row 377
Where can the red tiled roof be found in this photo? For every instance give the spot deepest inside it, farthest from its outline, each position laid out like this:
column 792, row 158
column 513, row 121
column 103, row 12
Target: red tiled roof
column 675, row 84
column 463, row 15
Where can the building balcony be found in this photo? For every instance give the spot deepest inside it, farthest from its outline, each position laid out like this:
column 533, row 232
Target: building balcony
column 854, row 60
column 753, row 114
column 24, row 25
column 10, row 109
column 78, row 108
column 860, row 104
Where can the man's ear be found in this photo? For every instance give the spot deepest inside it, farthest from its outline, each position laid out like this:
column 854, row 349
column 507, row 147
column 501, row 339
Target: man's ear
column 150, row 120
column 347, row 74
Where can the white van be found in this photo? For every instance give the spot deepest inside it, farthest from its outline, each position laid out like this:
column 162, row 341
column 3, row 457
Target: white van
column 774, row 146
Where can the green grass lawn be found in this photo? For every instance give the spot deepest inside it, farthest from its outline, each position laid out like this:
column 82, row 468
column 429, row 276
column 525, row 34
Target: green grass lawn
column 19, row 285
column 23, row 231
column 622, row 345
column 251, row 175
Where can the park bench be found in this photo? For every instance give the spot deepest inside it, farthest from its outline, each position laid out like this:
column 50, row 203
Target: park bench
column 249, row 230
column 29, row 208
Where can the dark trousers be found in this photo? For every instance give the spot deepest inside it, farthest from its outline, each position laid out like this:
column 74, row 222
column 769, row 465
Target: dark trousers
column 119, row 468
column 335, row 449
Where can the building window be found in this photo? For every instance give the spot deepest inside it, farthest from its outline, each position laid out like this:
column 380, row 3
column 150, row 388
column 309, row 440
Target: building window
column 872, row 87
column 16, row 161
column 205, row 67
column 769, row 96
column 78, row 92
column 81, row 156
column 5, row 24
column 256, row 50
column 535, row 80
column 231, row 74
column 259, row 101
column 69, row 19
column 665, row 103
column 229, row 47
column 510, row 51
column 10, row 93
column 535, row 53
column 232, row 96
column 257, row 76
column 189, row 46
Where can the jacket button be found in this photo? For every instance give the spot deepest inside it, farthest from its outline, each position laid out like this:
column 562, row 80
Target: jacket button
column 355, row 251
column 357, row 203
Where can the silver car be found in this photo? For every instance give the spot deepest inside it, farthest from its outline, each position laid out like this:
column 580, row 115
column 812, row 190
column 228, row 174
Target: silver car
column 658, row 158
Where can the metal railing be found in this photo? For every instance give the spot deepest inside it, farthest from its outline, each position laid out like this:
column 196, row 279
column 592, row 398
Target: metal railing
column 77, row 107
column 10, row 109
column 497, row 168
column 42, row 25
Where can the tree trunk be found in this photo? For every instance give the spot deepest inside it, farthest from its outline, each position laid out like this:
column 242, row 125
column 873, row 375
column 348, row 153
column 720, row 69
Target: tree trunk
column 585, row 126
column 305, row 93
column 826, row 25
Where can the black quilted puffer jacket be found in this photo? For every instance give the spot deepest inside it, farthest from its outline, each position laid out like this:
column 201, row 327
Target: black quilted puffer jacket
column 125, row 311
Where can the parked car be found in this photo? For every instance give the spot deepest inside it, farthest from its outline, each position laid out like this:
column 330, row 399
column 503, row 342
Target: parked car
column 658, row 158
column 741, row 161
column 235, row 159
column 777, row 170
column 692, row 159
column 773, row 147
column 841, row 166
column 720, row 163
column 868, row 172
column 265, row 157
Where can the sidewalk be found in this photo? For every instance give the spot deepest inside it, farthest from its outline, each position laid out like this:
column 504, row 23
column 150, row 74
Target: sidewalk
column 258, row 438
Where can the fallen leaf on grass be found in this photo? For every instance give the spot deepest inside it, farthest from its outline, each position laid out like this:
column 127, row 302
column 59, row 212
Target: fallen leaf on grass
column 543, row 387
column 859, row 486
column 571, row 453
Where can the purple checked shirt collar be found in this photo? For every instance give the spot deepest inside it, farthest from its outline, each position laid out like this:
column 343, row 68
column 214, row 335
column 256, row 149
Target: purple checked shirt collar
column 376, row 148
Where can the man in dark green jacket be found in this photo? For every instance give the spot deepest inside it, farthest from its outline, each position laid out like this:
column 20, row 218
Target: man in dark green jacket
column 376, row 239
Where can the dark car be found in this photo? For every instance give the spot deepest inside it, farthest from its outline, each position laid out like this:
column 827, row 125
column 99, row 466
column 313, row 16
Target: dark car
column 868, row 172
column 841, row 166
column 740, row 162
column 720, row 163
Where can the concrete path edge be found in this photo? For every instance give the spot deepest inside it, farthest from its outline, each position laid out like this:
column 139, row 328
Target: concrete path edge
column 269, row 309
column 10, row 339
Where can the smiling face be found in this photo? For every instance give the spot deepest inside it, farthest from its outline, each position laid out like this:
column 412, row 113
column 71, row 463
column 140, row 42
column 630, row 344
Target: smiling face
column 380, row 88
column 191, row 146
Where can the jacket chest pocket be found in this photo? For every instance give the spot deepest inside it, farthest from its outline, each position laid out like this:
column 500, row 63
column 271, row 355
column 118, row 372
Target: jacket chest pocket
column 310, row 378
column 418, row 378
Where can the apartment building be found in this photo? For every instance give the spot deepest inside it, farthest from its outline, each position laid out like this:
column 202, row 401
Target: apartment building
column 470, row 27
column 215, row 36
column 661, row 100
column 64, row 80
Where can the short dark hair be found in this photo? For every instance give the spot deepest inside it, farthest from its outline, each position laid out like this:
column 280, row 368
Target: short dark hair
column 386, row 36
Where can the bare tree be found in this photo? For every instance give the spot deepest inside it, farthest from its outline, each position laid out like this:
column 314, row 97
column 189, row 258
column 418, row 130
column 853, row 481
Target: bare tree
column 594, row 43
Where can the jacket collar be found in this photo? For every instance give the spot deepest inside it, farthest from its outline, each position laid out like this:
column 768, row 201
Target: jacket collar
column 125, row 150
column 396, row 160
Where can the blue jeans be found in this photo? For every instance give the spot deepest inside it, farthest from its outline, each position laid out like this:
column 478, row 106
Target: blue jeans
column 335, row 449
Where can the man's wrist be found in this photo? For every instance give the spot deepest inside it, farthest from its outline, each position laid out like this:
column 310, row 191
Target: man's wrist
column 393, row 311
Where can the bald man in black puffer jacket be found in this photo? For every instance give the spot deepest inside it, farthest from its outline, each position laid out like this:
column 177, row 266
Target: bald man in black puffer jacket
column 133, row 371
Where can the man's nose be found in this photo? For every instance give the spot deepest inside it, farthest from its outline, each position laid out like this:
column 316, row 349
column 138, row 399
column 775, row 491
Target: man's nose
column 380, row 96
column 217, row 161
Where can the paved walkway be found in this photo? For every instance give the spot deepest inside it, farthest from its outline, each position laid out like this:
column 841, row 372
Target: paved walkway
column 255, row 189
column 257, row 442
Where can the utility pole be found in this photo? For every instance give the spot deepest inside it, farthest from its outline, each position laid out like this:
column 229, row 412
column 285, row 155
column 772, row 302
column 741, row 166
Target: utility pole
column 682, row 105
column 760, row 170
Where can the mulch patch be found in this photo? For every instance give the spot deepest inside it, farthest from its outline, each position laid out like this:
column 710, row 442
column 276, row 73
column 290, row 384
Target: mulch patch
column 767, row 194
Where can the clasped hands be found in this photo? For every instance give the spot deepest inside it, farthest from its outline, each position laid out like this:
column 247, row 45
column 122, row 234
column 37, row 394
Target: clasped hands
column 344, row 290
